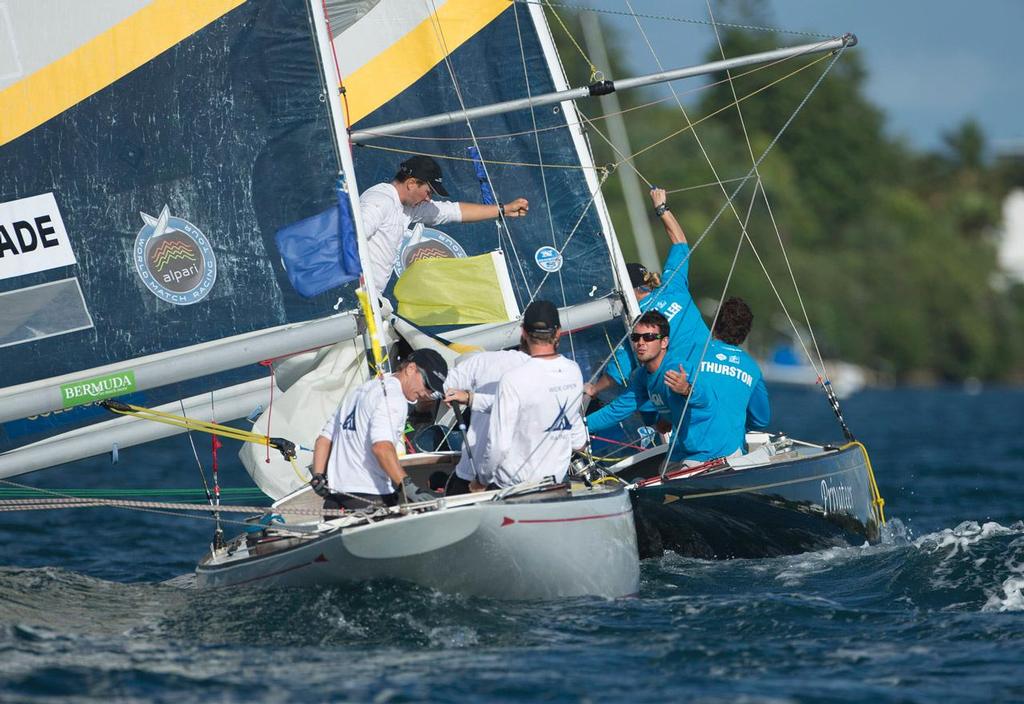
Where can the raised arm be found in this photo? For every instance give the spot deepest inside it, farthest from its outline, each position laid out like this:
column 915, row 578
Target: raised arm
column 672, row 226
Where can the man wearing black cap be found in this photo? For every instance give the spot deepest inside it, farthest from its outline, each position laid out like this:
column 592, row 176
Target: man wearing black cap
column 356, row 453
column 535, row 422
column 388, row 209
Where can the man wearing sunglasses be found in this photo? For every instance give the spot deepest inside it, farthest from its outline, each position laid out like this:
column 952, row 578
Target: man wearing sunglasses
column 388, row 209
column 355, row 459
column 646, row 385
column 727, row 396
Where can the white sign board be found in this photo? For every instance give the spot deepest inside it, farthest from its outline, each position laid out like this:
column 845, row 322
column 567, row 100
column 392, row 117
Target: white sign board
column 32, row 237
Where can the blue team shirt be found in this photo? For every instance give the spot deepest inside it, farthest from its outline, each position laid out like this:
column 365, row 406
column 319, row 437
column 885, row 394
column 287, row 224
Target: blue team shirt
column 728, row 396
column 688, row 331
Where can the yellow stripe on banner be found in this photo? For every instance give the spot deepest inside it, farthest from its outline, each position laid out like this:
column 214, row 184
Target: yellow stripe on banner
column 411, row 57
column 102, row 60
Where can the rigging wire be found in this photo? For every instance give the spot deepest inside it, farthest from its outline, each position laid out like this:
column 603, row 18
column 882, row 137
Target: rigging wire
column 540, row 159
column 642, row 106
column 759, row 185
column 746, row 135
column 714, row 220
column 676, row 432
column 671, row 18
column 439, row 32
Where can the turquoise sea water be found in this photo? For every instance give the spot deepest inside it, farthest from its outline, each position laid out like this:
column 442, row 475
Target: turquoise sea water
column 935, row 612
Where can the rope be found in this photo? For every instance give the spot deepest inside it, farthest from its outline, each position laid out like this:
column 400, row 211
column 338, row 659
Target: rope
column 876, row 497
column 203, row 426
column 159, row 508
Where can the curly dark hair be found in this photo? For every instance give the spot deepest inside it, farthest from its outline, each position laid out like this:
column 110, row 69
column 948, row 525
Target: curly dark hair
column 734, row 321
column 654, row 319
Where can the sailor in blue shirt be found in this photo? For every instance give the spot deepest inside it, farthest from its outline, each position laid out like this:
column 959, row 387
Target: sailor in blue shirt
column 668, row 294
column 650, row 340
column 727, row 394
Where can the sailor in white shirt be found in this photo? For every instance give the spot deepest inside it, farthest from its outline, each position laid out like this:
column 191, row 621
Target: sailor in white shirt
column 472, row 383
column 355, row 459
column 389, row 208
column 535, row 421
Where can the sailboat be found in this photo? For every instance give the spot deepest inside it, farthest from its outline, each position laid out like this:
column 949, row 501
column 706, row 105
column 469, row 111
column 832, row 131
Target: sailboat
column 151, row 277
column 146, row 267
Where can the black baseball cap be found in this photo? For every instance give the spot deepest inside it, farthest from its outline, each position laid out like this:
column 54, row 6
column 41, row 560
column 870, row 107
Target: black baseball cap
column 541, row 316
column 637, row 273
column 433, row 367
column 425, row 169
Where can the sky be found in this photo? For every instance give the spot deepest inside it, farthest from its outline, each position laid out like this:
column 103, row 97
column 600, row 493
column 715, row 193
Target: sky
column 932, row 63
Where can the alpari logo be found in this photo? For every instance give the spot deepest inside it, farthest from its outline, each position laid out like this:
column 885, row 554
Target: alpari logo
column 174, row 259
column 426, row 243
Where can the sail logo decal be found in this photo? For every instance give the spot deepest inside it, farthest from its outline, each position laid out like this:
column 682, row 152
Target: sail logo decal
column 549, row 259
column 561, row 421
column 174, row 259
column 350, row 420
column 426, row 243
column 32, row 236
column 97, row 388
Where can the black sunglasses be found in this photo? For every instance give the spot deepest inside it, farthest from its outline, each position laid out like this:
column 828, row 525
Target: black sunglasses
column 645, row 336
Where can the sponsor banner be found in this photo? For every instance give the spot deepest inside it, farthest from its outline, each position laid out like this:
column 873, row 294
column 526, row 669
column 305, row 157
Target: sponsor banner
column 97, row 388
column 32, row 237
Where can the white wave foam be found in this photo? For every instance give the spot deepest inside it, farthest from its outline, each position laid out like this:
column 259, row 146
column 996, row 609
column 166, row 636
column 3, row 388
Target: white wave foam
column 1011, row 599
column 961, row 538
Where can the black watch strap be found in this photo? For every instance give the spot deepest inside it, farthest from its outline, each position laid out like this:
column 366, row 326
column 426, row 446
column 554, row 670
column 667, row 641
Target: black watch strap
column 661, row 209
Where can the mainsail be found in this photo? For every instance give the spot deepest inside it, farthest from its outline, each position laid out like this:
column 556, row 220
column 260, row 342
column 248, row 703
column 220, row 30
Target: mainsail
column 400, row 60
column 152, row 149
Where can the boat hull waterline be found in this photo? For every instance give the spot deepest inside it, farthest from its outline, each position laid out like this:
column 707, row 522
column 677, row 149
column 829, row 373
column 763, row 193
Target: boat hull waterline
column 541, row 548
column 810, row 502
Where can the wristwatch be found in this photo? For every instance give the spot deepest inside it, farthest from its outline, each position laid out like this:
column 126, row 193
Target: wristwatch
column 661, row 209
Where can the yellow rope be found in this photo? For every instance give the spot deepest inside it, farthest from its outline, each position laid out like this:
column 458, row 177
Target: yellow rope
column 190, row 423
column 876, row 497
column 304, row 480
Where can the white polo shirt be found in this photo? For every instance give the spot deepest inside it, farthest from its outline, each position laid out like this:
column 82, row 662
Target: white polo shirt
column 480, row 373
column 535, row 422
column 385, row 221
column 374, row 412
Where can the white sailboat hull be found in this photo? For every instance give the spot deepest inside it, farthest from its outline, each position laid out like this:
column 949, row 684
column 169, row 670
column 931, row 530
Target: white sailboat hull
column 535, row 548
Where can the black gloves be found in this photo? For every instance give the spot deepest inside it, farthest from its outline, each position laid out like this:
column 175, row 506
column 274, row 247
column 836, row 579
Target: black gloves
column 319, row 484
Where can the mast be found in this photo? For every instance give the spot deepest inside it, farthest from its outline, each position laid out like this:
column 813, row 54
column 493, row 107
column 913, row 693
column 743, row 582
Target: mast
column 339, row 128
